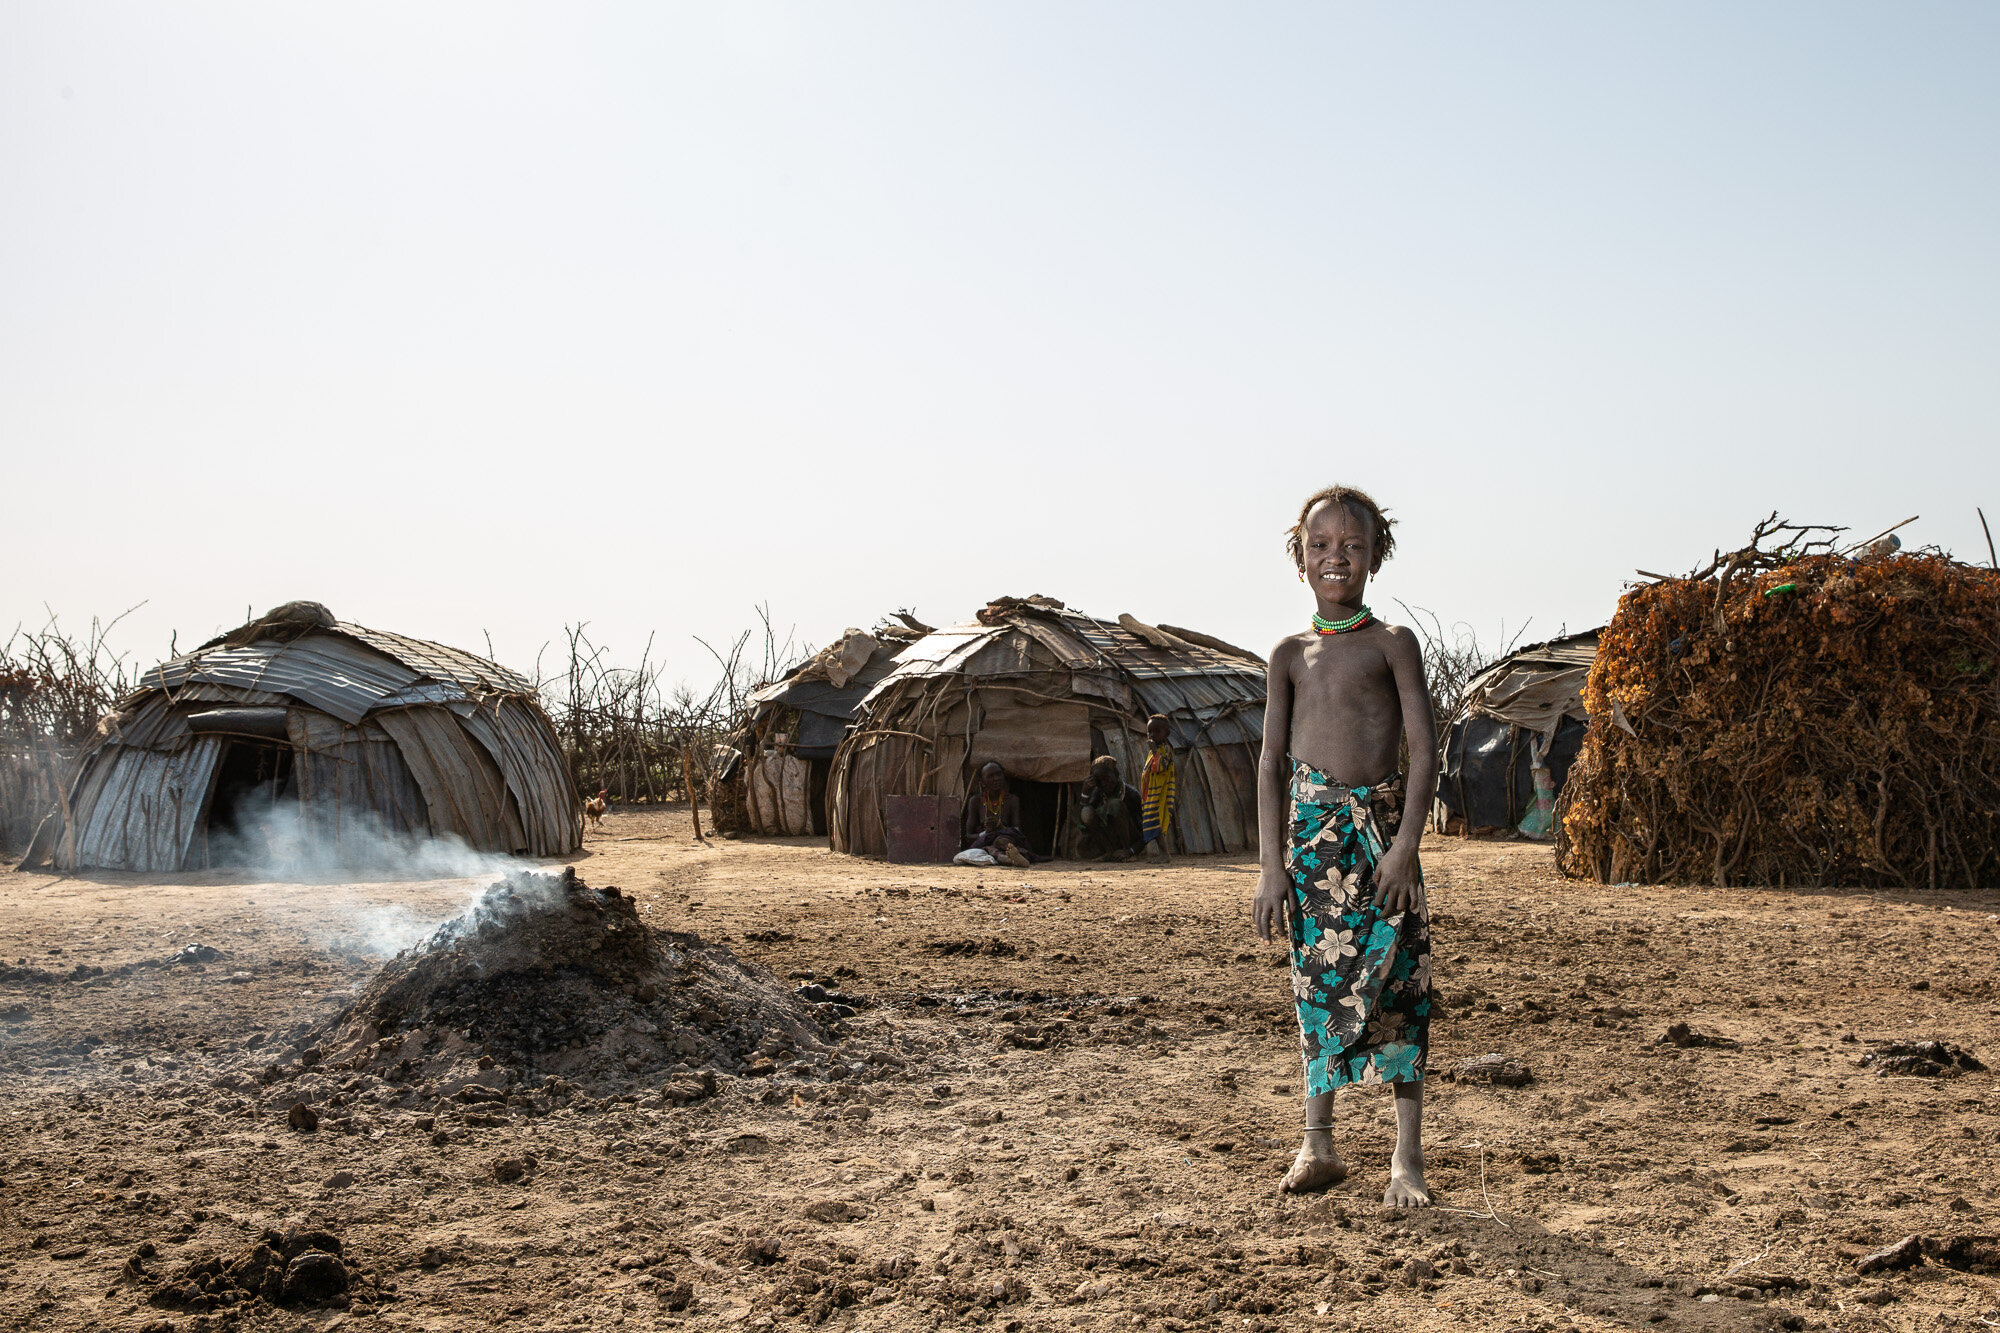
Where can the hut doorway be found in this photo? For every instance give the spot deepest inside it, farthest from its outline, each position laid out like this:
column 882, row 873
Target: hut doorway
column 818, row 773
column 1041, row 813
column 249, row 782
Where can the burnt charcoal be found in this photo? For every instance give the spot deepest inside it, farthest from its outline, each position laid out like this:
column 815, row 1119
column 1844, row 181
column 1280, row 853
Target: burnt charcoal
column 1921, row 1059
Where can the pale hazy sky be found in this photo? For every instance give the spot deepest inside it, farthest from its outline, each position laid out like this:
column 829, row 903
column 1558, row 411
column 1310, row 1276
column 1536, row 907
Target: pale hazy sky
column 491, row 317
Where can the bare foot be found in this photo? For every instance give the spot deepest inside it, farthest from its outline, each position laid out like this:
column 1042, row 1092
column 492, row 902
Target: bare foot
column 1407, row 1188
column 1316, row 1167
column 1015, row 857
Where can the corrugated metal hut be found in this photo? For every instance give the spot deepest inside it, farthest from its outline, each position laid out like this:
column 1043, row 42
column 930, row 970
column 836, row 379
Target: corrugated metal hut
column 370, row 739
column 1044, row 689
column 1522, row 713
column 797, row 722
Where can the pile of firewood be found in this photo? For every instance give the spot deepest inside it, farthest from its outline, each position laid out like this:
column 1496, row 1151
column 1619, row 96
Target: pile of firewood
column 1795, row 713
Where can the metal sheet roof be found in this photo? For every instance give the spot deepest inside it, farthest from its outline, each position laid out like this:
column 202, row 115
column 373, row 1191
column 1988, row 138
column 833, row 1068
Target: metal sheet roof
column 1142, row 659
column 436, row 661
column 1190, row 679
column 349, row 671
column 334, row 674
column 939, row 653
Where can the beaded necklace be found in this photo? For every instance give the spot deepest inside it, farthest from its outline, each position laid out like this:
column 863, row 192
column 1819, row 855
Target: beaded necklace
column 1359, row 620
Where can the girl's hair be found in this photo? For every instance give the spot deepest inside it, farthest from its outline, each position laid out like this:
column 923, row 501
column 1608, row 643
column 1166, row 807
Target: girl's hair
column 1355, row 499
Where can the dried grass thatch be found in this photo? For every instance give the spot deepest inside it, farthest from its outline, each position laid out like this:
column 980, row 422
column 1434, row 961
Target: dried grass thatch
column 1789, row 715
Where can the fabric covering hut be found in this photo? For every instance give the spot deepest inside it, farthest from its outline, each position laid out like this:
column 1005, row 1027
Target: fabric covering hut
column 797, row 723
column 1044, row 689
column 348, row 743
column 1518, row 730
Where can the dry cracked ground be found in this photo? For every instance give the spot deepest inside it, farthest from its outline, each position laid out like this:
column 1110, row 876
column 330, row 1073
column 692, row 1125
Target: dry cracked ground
column 1064, row 1102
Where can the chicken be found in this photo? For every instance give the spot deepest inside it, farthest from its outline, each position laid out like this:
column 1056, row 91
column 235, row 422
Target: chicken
column 593, row 809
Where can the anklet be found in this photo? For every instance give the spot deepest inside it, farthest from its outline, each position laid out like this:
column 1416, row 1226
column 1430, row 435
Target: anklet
column 1313, row 1128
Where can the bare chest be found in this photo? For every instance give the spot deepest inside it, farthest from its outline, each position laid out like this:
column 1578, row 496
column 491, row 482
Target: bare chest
column 1337, row 669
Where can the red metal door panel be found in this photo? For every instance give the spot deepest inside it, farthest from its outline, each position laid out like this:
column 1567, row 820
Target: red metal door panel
column 921, row 829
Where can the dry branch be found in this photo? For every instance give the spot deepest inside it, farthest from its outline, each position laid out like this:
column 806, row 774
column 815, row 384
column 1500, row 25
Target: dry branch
column 1796, row 717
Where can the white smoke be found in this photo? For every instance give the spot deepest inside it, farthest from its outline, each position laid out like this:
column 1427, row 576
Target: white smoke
column 283, row 844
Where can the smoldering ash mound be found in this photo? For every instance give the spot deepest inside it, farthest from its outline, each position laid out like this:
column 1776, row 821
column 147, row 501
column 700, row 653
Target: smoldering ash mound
column 546, row 976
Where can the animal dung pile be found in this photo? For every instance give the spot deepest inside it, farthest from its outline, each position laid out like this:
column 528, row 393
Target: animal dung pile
column 1791, row 716
column 547, row 976
column 294, row 1269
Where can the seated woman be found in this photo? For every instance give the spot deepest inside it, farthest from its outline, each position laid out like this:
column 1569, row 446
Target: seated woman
column 993, row 819
column 1108, row 810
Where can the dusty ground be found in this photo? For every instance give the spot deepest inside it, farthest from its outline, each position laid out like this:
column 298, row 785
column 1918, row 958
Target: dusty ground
column 1068, row 1107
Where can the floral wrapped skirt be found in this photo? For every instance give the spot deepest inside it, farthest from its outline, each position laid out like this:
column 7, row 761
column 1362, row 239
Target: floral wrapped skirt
column 1362, row 979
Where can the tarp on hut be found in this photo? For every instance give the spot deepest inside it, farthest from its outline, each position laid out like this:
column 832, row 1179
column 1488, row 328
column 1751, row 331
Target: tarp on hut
column 1523, row 712
column 369, row 739
column 1043, row 689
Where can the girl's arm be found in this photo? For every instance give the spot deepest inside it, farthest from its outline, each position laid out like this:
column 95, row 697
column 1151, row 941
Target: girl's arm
column 1399, row 887
column 1267, row 910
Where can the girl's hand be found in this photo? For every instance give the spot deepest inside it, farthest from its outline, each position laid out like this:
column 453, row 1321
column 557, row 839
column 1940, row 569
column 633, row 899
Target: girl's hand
column 1267, row 909
column 1398, row 886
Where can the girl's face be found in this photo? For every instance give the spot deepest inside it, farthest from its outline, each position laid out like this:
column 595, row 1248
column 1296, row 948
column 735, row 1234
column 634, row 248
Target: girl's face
column 1339, row 552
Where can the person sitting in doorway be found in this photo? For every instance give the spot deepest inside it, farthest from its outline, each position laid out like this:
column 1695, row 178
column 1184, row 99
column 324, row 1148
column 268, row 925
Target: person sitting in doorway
column 992, row 820
column 1108, row 808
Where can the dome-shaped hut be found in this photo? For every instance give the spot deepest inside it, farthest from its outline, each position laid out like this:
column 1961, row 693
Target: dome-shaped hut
column 352, row 741
column 1508, row 751
column 796, row 723
column 1044, row 689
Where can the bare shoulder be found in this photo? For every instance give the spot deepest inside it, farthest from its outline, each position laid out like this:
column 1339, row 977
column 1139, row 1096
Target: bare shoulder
column 1401, row 643
column 1289, row 650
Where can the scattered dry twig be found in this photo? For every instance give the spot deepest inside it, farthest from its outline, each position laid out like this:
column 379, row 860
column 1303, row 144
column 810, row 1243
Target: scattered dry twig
column 1491, row 1213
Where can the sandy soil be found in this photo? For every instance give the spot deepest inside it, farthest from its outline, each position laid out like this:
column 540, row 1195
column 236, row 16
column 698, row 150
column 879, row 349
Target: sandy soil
column 1068, row 1106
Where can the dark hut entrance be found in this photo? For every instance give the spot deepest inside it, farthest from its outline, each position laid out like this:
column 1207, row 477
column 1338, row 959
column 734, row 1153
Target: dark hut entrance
column 818, row 773
column 252, row 777
column 1041, row 813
